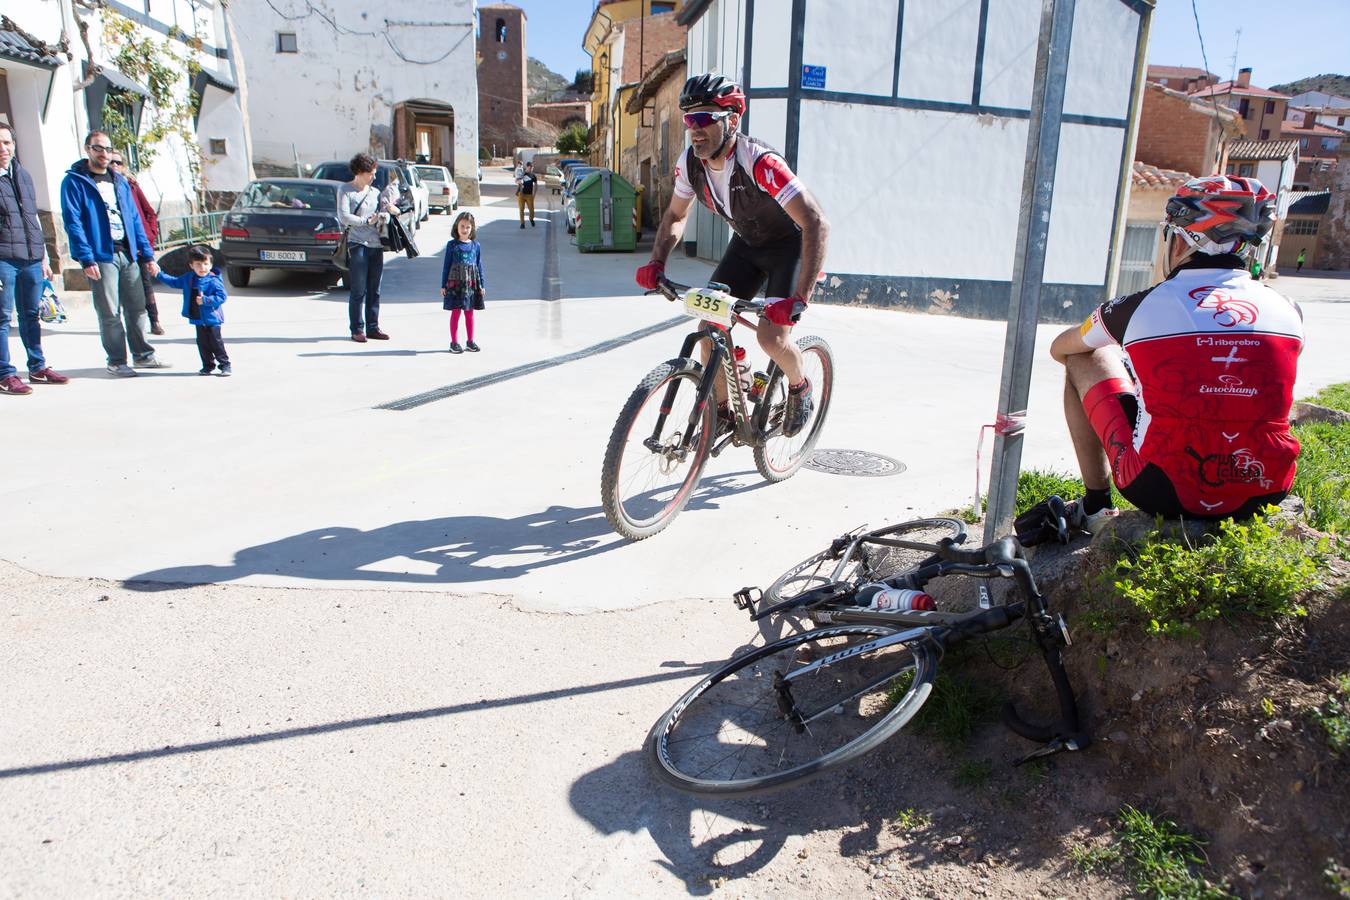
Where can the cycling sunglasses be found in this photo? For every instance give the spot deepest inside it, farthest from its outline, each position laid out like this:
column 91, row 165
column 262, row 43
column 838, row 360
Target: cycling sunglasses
column 703, row 119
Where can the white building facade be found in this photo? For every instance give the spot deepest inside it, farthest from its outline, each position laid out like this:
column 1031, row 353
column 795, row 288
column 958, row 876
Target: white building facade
column 342, row 79
column 908, row 121
column 55, row 87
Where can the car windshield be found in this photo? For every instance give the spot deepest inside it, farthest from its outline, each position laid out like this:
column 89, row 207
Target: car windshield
column 270, row 195
column 431, row 173
column 340, row 172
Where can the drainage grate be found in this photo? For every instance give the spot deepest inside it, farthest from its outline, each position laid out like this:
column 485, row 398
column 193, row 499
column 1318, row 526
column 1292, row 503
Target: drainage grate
column 854, row 462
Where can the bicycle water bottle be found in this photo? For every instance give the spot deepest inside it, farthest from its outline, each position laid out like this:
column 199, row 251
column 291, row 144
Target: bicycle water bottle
column 757, row 386
column 742, row 369
column 881, row 597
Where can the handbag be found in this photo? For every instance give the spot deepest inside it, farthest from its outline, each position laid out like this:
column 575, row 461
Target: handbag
column 50, row 309
column 342, row 253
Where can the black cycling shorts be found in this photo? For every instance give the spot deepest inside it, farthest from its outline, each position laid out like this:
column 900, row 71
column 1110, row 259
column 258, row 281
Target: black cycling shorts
column 745, row 269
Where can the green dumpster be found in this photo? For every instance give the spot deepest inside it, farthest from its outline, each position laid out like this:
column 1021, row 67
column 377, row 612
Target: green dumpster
column 606, row 206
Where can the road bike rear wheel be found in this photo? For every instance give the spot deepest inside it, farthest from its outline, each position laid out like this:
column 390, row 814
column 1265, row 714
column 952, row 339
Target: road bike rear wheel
column 780, row 456
column 730, row 735
column 870, row 562
column 647, row 478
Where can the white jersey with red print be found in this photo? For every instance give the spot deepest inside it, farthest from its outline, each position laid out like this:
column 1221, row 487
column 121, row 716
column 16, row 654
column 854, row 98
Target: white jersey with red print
column 771, row 174
column 750, row 191
column 1215, row 354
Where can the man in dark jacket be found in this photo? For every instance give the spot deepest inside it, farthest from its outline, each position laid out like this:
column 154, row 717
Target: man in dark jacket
column 23, row 268
column 150, row 219
column 107, row 237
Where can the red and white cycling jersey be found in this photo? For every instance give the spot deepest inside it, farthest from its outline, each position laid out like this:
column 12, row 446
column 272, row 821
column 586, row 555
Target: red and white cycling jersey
column 750, row 191
column 1215, row 354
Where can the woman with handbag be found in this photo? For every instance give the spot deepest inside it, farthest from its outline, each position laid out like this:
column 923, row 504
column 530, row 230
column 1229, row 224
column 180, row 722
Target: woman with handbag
column 361, row 210
column 462, row 279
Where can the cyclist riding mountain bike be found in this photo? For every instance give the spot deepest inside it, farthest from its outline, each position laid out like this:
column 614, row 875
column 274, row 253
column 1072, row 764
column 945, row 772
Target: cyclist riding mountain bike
column 1205, row 433
column 780, row 231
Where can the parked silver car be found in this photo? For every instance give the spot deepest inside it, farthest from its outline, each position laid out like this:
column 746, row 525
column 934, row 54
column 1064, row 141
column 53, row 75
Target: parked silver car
column 443, row 193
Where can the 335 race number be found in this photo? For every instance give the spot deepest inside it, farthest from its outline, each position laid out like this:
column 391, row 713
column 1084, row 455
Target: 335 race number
column 714, row 306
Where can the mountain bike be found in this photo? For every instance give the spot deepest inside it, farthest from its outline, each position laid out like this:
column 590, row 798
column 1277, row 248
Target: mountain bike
column 668, row 429
column 811, row 702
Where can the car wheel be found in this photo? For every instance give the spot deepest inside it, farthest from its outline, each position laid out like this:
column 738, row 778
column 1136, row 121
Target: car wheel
column 238, row 275
column 454, row 206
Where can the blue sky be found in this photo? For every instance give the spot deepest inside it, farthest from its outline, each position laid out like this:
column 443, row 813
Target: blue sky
column 1281, row 41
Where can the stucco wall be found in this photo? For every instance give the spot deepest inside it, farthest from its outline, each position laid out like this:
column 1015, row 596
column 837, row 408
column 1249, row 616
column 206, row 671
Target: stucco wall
column 927, row 146
column 340, row 90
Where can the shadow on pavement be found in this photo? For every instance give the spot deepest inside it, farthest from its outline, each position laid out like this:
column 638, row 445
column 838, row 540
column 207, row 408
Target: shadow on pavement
column 458, row 549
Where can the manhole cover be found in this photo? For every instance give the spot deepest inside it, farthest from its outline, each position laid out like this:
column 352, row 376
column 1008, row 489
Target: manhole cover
column 854, row 462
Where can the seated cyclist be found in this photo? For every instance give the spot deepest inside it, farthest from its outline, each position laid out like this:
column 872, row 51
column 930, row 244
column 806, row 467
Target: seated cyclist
column 780, row 232
column 1205, row 433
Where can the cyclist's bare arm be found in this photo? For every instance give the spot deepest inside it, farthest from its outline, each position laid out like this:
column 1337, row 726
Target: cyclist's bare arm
column 806, row 212
column 671, row 228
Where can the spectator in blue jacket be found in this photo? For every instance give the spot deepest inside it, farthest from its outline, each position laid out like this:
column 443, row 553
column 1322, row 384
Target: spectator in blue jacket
column 107, row 237
column 203, row 296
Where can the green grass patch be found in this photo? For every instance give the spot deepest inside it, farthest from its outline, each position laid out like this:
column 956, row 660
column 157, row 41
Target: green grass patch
column 957, row 706
column 1334, row 715
column 911, row 819
column 1089, row 860
column 1337, row 396
column 973, row 773
column 1337, row 878
column 1161, row 859
column 1322, row 479
column 1250, row 568
column 1035, row 485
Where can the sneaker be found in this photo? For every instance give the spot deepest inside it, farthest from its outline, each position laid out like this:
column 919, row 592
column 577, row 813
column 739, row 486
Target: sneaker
column 359, row 337
column 156, row 328
column 226, row 371
column 522, row 224
column 153, row 362
column 11, row 384
column 205, row 371
column 47, row 376
column 376, row 334
column 455, row 347
column 799, row 408
column 122, row 370
column 532, row 223
column 471, row 347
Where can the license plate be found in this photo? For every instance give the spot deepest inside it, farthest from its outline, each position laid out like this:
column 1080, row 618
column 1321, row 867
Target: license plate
column 713, row 306
column 282, row 255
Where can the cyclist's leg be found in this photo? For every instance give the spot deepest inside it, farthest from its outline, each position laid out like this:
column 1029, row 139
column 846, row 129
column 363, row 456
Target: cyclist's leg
column 743, row 278
column 781, row 264
column 1100, row 408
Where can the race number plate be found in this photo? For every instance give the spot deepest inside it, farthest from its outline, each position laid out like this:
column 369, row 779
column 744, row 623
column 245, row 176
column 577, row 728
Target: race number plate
column 713, row 306
column 282, row 255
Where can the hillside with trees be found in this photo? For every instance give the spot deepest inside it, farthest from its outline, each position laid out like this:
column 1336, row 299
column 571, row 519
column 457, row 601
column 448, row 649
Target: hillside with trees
column 1331, row 84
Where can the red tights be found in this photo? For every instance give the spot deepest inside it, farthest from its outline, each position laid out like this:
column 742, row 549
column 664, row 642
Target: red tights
column 454, row 323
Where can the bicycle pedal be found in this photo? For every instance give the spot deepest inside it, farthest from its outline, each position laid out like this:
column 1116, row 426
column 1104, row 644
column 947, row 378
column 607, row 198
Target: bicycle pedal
column 744, row 599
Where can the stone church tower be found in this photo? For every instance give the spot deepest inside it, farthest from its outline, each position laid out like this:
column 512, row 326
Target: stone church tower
column 502, row 86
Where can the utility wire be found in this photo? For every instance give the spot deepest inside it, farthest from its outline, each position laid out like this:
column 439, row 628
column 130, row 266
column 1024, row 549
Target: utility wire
column 1213, row 99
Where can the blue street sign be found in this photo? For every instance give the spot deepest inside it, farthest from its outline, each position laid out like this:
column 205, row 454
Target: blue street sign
column 813, row 77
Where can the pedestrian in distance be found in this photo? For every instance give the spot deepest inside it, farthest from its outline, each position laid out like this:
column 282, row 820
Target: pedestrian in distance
column 203, row 296
column 1302, row 256
column 462, row 283
column 108, row 239
column 525, row 182
column 362, row 210
column 150, row 220
column 23, row 269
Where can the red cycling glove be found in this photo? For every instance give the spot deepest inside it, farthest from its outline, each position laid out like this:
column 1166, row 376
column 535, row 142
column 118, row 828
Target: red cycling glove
column 650, row 275
column 785, row 312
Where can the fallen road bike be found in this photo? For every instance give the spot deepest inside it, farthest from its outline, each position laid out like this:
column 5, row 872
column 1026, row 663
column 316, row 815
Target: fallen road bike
column 669, row 429
column 811, row 702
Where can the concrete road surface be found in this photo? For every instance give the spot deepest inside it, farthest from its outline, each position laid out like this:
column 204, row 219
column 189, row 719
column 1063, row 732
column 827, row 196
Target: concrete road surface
column 416, row 718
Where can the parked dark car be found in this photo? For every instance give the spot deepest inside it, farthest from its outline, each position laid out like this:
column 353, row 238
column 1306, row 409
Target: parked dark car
column 282, row 223
column 337, row 170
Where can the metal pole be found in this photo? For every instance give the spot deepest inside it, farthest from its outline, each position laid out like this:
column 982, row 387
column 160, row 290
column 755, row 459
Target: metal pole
column 1033, row 232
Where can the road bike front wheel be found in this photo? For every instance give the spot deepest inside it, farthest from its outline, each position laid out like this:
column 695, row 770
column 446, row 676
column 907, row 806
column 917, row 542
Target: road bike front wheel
column 780, row 456
column 737, row 732
column 648, row 476
column 870, row 562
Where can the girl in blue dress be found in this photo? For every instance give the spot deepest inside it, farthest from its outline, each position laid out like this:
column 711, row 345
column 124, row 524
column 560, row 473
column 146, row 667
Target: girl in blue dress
column 462, row 279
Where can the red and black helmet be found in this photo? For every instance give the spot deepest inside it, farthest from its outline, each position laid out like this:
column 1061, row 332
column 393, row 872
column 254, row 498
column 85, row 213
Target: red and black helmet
column 712, row 90
column 1218, row 211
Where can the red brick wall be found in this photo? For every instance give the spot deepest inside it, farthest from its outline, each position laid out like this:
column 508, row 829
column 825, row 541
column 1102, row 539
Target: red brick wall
column 655, row 36
column 1173, row 134
column 560, row 113
column 501, row 82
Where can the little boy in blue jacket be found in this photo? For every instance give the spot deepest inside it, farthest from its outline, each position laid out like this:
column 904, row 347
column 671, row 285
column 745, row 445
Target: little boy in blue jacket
column 203, row 296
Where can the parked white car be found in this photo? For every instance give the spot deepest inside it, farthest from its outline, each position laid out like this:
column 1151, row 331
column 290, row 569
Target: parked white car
column 442, row 192
column 420, row 195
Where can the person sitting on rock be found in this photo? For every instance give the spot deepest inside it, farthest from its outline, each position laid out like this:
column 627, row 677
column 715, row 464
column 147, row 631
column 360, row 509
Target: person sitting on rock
column 1203, row 430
